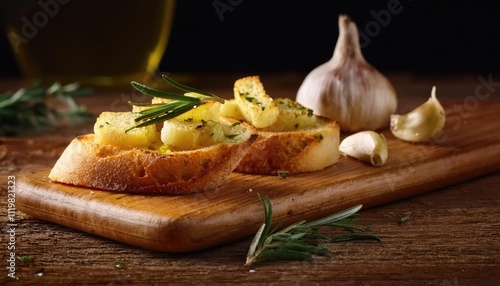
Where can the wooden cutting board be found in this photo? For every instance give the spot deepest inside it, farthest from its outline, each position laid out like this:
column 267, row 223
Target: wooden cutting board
column 469, row 147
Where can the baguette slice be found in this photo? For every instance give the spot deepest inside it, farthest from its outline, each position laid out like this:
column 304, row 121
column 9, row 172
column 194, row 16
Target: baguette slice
column 291, row 138
column 134, row 170
column 300, row 151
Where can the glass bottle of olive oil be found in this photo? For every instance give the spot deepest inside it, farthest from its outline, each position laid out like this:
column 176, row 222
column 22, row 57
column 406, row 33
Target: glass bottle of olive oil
column 100, row 43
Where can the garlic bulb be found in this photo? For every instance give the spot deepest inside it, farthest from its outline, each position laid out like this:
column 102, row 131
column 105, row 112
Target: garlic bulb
column 366, row 146
column 420, row 124
column 347, row 88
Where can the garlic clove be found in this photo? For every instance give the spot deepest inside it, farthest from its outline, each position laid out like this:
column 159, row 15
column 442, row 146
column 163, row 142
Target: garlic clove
column 420, row 124
column 347, row 89
column 366, row 146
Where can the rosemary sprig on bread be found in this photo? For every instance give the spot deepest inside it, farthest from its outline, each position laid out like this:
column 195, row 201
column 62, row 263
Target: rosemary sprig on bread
column 176, row 104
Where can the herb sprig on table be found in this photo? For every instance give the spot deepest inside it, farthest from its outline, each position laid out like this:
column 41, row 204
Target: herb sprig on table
column 177, row 104
column 299, row 240
column 34, row 107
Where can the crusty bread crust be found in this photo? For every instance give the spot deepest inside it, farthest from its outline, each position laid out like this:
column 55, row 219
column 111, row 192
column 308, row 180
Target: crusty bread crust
column 299, row 151
column 107, row 167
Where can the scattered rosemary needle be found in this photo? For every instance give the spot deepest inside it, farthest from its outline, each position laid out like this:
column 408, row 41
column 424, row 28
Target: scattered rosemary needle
column 406, row 217
column 120, row 265
column 283, row 174
column 25, row 258
column 178, row 104
column 299, row 240
column 30, row 108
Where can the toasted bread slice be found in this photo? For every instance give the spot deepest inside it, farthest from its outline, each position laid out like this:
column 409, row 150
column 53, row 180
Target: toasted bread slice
column 291, row 138
column 299, row 151
column 136, row 170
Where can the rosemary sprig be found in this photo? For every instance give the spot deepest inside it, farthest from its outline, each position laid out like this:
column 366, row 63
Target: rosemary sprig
column 32, row 108
column 178, row 104
column 298, row 241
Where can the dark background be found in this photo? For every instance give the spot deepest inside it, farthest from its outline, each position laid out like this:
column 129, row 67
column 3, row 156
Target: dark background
column 257, row 35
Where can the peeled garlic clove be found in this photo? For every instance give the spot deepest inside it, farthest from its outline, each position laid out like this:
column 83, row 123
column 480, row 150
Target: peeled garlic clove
column 366, row 146
column 420, row 124
column 347, row 89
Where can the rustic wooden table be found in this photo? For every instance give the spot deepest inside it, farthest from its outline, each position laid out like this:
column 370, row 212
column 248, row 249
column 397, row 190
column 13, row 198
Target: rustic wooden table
column 452, row 236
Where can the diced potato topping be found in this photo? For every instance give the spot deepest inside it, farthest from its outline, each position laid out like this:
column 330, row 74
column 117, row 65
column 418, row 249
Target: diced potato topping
column 205, row 112
column 110, row 129
column 182, row 135
column 194, row 129
column 230, row 108
column 292, row 116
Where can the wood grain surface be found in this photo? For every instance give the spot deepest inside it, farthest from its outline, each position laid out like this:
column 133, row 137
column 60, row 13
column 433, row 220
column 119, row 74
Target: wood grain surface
column 232, row 212
column 451, row 236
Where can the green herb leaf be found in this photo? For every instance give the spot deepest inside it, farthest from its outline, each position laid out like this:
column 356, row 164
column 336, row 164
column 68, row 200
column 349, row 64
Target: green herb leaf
column 162, row 113
column 179, row 104
column 298, row 241
column 406, row 217
column 31, row 108
column 120, row 265
column 25, row 258
column 161, row 94
column 283, row 174
column 184, row 87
